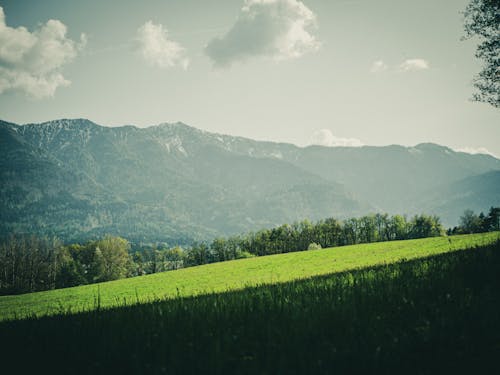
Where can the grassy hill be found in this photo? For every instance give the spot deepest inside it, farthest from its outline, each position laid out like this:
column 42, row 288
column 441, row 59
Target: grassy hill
column 232, row 275
column 430, row 315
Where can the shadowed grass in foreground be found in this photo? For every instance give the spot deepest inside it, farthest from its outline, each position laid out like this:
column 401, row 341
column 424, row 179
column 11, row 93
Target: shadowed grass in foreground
column 232, row 275
column 434, row 315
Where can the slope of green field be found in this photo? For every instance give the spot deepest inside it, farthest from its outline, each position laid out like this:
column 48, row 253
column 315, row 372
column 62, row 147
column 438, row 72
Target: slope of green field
column 232, row 275
column 432, row 315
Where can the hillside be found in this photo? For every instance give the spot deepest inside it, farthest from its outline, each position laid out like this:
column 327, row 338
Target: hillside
column 431, row 315
column 174, row 183
column 394, row 178
column 170, row 183
column 232, row 275
column 477, row 192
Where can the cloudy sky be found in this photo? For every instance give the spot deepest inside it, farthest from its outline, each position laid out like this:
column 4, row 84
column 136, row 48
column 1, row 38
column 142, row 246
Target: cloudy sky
column 332, row 72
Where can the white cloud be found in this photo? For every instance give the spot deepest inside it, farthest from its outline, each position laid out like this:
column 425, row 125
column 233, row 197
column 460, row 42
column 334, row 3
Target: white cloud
column 412, row 65
column 378, row 67
column 157, row 49
column 324, row 137
column 31, row 62
column 276, row 29
column 476, row 150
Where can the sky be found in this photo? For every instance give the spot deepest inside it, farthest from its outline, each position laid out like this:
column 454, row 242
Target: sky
column 330, row 72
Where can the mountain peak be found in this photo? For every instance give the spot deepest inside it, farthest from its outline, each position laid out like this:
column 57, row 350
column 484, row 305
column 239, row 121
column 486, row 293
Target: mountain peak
column 8, row 125
column 176, row 125
column 69, row 123
column 430, row 146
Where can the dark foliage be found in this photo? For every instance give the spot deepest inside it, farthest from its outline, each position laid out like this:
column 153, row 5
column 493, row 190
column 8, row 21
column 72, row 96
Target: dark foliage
column 428, row 316
column 472, row 223
column 482, row 20
column 30, row 264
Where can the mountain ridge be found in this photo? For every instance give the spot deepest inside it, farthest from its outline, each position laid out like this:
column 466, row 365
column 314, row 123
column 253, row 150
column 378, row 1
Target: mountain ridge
column 175, row 183
column 69, row 122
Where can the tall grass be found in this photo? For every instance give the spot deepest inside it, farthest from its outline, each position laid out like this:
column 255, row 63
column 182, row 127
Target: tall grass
column 439, row 314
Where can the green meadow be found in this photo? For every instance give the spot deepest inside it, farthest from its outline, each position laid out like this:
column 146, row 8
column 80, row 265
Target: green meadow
column 438, row 313
column 231, row 276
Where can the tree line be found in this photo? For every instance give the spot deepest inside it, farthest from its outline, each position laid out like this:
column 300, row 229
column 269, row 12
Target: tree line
column 304, row 235
column 30, row 263
column 470, row 222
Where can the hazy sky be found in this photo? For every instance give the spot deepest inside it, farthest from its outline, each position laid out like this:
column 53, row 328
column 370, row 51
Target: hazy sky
column 328, row 71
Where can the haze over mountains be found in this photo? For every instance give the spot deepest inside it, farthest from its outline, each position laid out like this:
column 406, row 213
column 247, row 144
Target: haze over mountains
column 177, row 184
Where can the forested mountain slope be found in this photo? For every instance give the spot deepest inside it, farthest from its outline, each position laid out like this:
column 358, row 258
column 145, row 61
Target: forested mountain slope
column 175, row 183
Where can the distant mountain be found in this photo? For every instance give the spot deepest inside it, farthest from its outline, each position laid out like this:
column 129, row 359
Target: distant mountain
column 477, row 193
column 170, row 183
column 40, row 191
column 175, row 183
column 394, row 178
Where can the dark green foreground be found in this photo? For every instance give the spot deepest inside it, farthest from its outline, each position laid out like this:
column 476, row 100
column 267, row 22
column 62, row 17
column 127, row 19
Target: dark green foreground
column 434, row 315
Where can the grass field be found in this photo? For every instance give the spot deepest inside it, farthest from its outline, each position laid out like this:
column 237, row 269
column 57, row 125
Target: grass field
column 232, row 275
column 434, row 315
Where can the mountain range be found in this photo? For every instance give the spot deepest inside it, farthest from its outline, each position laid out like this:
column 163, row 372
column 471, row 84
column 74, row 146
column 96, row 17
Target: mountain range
column 177, row 184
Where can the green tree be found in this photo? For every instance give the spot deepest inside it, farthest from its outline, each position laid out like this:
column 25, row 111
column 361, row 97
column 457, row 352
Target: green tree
column 198, row 254
column 29, row 263
column 398, row 228
column 470, row 222
column 482, row 20
column 351, row 231
column 112, row 254
column 493, row 219
column 367, row 229
column 332, row 232
column 422, row 226
column 138, row 260
column 174, row 258
column 219, row 250
column 68, row 274
column 314, row 246
column 96, row 266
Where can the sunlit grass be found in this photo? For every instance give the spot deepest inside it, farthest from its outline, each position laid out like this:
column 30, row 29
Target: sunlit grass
column 231, row 275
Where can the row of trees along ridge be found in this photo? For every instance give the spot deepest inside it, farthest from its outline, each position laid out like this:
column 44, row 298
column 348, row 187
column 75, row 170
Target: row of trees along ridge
column 29, row 263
